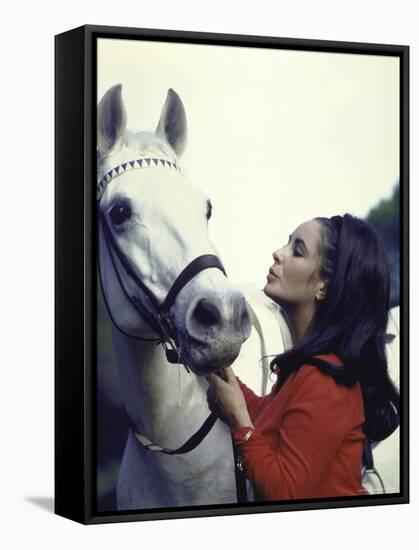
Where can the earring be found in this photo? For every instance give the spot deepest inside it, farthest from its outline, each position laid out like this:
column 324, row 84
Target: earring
column 320, row 295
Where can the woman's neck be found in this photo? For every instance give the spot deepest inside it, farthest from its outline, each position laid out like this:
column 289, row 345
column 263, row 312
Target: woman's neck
column 299, row 319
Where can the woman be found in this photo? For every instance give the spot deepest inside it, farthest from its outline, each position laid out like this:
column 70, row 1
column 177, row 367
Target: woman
column 305, row 439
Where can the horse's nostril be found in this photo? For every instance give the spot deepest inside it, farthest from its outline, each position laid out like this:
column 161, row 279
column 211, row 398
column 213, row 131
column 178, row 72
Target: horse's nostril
column 206, row 313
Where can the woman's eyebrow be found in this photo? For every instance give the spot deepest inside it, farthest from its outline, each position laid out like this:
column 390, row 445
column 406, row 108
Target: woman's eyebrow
column 302, row 244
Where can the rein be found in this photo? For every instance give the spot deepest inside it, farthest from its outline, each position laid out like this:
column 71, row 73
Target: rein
column 190, row 444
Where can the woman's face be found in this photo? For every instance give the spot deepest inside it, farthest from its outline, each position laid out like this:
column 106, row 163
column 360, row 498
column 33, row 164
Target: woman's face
column 293, row 281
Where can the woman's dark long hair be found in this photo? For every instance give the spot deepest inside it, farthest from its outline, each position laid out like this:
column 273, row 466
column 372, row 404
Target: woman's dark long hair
column 351, row 321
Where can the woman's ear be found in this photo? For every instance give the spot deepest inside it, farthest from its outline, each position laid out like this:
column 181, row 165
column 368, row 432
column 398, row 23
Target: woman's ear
column 321, row 291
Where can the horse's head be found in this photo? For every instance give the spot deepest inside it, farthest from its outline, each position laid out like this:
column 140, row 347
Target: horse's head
column 154, row 223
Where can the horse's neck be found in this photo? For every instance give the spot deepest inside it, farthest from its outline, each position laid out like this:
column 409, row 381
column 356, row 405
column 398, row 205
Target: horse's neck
column 163, row 400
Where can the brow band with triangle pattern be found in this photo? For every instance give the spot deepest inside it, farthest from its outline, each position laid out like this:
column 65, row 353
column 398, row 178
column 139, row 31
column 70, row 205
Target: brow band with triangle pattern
column 132, row 165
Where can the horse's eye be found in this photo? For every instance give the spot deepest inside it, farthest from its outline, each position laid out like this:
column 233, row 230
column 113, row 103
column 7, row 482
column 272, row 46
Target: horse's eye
column 120, row 213
column 209, row 209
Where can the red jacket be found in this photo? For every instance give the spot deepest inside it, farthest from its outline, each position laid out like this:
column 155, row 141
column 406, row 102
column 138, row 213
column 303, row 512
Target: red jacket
column 308, row 439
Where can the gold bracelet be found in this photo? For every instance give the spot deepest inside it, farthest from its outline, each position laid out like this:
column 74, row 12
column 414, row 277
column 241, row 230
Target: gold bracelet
column 247, row 436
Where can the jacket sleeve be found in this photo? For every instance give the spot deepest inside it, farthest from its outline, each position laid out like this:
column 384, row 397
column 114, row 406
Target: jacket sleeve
column 317, row 416
column 254, row 402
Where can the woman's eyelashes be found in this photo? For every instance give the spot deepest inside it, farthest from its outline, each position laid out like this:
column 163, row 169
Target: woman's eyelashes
column 296, row 248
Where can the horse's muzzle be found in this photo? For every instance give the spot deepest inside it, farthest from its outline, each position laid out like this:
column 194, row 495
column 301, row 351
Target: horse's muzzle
column 215, row 328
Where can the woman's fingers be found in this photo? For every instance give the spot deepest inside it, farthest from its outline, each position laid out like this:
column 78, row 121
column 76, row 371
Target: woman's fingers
column 214, row 380
column 226, row 375
column 229, row 374
column 225, row 397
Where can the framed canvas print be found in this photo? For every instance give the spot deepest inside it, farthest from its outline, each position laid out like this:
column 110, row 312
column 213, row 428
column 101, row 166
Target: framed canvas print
column 231, row 274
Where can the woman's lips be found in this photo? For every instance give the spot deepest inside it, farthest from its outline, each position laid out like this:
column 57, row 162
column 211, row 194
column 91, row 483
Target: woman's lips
column 272, row 274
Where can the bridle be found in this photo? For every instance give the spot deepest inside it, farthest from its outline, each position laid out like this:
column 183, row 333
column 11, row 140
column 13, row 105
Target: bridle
column 155, row 313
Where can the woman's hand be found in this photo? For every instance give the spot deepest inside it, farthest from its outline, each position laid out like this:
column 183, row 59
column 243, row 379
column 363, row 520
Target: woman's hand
column 226, row 399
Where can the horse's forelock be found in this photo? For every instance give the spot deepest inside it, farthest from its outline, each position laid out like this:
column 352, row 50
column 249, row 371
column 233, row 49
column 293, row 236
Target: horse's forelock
column 147, row 142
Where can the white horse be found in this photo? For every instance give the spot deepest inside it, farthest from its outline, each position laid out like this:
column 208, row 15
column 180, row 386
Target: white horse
column 153, row 223
column 153, row 227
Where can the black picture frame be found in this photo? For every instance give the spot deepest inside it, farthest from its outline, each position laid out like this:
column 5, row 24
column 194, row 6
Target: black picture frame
column 75, row 270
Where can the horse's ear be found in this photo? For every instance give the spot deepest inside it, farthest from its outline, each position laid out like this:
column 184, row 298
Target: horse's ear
column 111, row 120
column 172, row 123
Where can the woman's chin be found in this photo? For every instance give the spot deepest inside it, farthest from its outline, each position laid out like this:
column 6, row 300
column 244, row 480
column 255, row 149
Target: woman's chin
column 269, row 291
column 274, row 296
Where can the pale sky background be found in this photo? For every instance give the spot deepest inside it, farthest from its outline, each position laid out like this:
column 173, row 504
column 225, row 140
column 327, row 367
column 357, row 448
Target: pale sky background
column 275, row 137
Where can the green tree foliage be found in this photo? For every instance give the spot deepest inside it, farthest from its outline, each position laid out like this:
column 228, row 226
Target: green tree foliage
column 385, row 218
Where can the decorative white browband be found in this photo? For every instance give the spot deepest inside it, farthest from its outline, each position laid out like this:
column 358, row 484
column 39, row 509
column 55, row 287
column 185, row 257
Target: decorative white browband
column 132, row 165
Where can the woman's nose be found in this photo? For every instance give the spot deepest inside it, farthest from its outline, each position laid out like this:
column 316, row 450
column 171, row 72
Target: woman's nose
column 277, row 255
